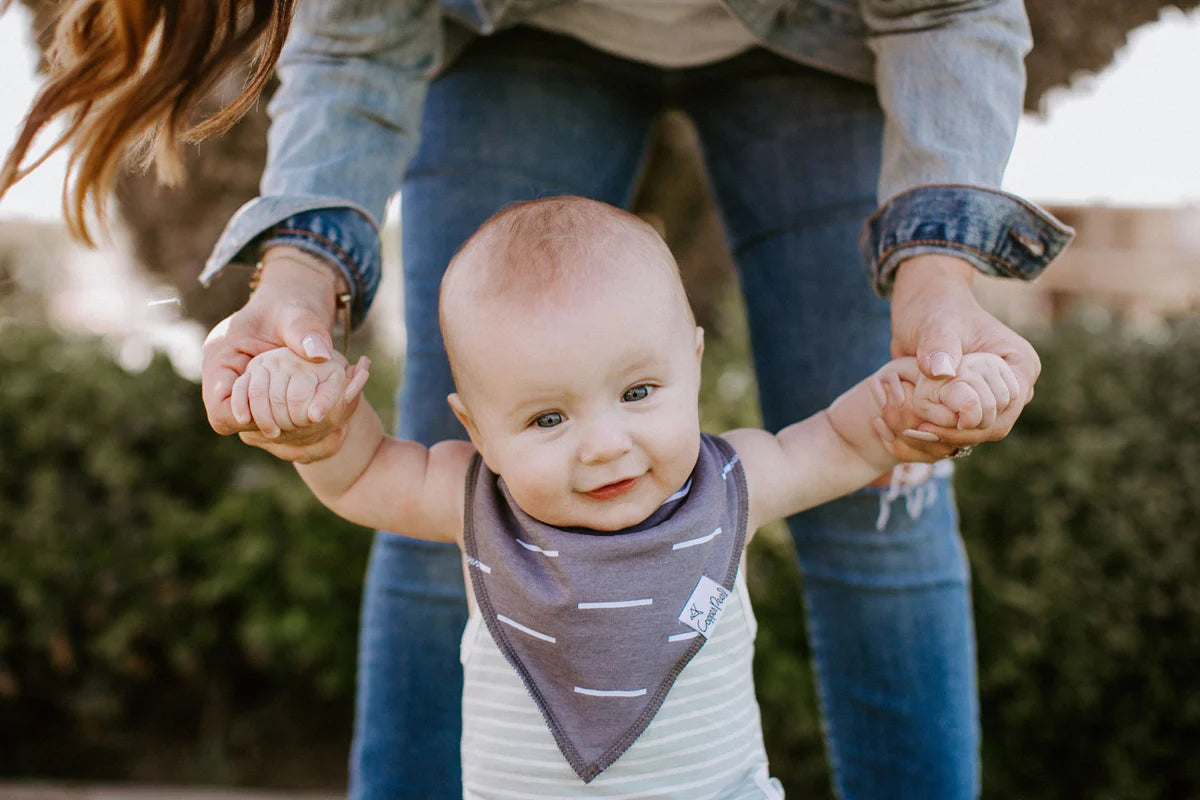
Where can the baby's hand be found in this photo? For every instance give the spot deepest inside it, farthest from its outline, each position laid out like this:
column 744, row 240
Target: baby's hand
column 983, row 388
column 892, row 386
column 280, row 391
column 972, row 400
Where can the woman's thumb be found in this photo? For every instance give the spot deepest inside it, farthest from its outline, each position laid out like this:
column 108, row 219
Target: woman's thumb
column 938, row 353
column 307, row 337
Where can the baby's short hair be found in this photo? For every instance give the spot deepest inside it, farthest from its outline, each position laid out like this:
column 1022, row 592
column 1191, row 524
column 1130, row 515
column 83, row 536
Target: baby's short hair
column 535, row 247
column 540, row 251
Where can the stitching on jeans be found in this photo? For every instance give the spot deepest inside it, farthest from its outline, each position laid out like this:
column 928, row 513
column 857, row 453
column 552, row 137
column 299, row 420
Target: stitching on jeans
column 1039, row 213
column 1008, row 266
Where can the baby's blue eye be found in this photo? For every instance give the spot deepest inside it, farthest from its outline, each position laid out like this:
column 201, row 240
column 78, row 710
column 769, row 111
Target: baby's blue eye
column 636, row 393
column 548, row 420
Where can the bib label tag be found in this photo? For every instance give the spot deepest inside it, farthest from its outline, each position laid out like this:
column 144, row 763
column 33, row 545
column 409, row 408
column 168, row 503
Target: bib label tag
column 704, row 607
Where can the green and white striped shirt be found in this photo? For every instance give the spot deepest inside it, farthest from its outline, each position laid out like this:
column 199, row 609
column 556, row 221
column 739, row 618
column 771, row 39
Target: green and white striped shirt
column 705, row 743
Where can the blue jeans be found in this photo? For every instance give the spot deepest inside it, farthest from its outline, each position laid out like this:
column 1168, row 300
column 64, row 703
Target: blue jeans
column 793, row 155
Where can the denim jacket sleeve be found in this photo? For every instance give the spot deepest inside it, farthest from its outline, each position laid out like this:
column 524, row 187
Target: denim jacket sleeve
column 344, row 123
column 951, row 80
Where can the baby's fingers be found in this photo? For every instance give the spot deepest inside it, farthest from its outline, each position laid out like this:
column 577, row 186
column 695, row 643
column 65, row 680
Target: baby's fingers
column 999, row 387
column 300, row 391
column 972, row 398
column 893, row 389
column 277, row 394
column 239, row 403
column 931, row 409
column 1006, row 376
column 341, row 386
column 258, row 393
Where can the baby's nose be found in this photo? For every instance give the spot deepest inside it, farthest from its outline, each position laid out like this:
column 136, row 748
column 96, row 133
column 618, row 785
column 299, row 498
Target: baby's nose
column 603, row 442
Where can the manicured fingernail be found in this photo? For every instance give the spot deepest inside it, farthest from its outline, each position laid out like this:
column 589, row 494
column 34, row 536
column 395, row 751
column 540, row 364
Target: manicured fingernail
column 922, row 436
column 315, row 347
column 941, row 365
column 316, row 414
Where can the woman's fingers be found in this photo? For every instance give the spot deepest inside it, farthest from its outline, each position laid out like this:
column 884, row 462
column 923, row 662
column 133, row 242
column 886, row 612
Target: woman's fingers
column 919, row 435
column 359, row 374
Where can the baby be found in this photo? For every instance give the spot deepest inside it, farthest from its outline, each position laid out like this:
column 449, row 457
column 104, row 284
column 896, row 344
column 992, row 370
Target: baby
column 610, row 640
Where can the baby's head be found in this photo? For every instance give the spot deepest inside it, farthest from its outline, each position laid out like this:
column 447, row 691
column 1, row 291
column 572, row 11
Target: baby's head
column 577, row 361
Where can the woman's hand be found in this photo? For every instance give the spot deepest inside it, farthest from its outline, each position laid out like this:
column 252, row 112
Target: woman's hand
column 292, row 307
column 936, row 318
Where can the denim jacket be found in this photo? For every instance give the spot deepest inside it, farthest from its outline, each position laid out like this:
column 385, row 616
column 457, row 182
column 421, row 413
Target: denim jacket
column 949, row 75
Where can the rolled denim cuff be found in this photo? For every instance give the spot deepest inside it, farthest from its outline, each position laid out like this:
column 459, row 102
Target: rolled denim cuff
column 342, row 234
column 997, row 233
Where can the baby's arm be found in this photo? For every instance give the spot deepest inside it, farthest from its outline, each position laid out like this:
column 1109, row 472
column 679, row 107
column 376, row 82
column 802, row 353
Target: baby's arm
column 831, row 453
column 373, row 479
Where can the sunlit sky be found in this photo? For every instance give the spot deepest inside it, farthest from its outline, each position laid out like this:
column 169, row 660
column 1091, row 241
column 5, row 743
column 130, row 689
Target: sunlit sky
column 1125, row 137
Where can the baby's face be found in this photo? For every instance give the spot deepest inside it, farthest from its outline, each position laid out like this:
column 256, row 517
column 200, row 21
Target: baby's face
column 587, row 408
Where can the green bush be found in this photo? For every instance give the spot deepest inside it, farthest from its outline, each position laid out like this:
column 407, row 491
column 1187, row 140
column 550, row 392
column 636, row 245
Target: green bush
column 159, row 584
column 1082, row 528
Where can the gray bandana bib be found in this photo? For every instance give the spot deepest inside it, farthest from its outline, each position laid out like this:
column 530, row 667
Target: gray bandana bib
column 599, row 625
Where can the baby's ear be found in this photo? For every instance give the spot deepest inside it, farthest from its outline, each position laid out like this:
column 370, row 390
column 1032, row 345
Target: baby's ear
column 464, row 416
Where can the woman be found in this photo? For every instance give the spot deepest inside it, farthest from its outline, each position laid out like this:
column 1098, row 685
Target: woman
column 813, row 115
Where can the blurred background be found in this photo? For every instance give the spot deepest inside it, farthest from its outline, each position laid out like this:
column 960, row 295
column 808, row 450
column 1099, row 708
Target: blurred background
column 176, row 610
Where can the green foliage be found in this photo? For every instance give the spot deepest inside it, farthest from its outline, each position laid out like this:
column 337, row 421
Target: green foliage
column 1082, row 532
column 155, row 577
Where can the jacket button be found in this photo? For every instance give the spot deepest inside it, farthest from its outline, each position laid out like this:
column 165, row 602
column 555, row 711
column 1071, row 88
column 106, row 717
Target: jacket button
column 1033, row 246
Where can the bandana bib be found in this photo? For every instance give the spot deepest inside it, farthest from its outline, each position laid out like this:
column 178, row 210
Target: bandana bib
column 598, row 625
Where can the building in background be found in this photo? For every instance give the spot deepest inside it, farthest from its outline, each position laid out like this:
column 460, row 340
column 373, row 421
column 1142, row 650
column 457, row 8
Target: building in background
column 1142, row 263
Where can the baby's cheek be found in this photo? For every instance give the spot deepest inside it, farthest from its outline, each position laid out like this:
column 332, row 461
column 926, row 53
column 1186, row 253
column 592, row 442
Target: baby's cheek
column 537, row 487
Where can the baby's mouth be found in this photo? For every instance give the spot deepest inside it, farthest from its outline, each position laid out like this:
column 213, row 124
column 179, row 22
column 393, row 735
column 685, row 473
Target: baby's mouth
column 611, row 490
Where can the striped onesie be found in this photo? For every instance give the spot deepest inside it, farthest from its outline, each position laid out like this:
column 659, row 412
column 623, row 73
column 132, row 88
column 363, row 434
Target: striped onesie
column 594, row 664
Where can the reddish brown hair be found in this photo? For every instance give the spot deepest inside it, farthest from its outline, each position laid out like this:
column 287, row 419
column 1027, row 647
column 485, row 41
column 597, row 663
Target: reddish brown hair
column 128, row 76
